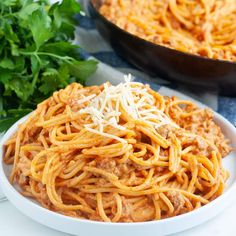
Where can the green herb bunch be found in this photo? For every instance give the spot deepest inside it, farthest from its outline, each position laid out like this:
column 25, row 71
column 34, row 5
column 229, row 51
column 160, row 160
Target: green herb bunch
column 37, row 55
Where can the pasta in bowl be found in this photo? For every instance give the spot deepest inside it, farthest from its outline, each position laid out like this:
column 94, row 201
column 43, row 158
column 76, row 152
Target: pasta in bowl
column 120, row 153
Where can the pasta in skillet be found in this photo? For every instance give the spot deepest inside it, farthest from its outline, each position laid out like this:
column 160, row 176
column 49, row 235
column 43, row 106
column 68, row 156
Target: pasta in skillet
column 206, row 28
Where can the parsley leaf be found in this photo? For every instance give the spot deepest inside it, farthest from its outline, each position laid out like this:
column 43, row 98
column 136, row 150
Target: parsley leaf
column 40, row 25
column 37, row 55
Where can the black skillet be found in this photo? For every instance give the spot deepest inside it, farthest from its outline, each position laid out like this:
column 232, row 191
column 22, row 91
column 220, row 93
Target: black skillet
column 195, row 71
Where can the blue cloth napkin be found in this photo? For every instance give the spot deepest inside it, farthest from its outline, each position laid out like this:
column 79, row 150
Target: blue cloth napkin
column 94, row 45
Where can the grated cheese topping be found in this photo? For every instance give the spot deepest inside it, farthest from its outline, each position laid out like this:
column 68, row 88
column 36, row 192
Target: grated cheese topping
column 105, row 109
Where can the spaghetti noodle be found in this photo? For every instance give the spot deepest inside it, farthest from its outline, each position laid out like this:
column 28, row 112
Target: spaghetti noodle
column 118, row 154
column 202, row 27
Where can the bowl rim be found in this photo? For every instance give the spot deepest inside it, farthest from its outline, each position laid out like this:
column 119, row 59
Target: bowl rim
column 5, row 183
column 146, row 42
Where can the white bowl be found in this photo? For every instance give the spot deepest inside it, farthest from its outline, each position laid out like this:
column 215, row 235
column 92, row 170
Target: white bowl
column 91, row 228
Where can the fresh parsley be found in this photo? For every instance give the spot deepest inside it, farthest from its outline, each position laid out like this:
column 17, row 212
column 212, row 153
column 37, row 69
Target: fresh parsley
column 37, row 55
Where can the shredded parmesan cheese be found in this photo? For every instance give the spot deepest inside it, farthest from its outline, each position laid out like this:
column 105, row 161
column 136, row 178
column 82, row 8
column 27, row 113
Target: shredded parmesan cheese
column 105, row 108
column 85, row 99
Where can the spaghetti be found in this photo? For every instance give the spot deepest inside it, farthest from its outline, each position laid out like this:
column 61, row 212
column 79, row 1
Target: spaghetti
column 118, row 154
column 202, row 27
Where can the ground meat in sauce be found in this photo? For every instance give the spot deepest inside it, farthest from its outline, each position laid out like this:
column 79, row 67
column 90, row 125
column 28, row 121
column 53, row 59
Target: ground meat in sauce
column 111, row 166
column 176, row 199
column 202, row 124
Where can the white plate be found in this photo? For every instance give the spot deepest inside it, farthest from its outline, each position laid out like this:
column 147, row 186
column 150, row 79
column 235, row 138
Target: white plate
column 86, row 227
column 1, row 193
